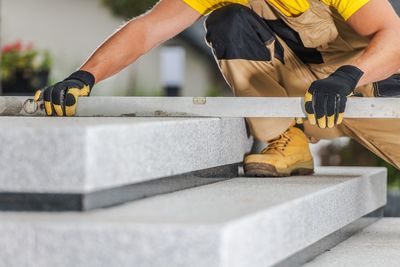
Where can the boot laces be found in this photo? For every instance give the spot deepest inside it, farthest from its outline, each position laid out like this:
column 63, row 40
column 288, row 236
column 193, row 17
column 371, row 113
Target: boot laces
column 278, row 144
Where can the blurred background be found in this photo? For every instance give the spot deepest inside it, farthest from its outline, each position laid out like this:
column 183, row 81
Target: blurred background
column 67, row 32
column 43, row 41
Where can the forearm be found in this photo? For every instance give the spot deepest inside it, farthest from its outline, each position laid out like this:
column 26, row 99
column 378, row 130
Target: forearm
column 121, row 49
column 167, row 19
column 381, row 59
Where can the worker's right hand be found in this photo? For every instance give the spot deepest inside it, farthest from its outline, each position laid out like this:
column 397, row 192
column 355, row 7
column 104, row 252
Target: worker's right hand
column 325, row 100
column 61, row 98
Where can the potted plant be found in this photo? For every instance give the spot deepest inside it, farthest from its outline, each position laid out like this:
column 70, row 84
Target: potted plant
column 23, row 69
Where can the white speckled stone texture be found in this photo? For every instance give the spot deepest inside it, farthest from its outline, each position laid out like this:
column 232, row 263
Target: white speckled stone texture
column 243, row 222
column 376, row 246
column 78, row 155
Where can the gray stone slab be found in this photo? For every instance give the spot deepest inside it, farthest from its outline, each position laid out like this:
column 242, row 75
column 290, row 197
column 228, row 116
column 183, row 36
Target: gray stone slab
column 376, row 245
column 332, row 240
column 75, row 155
column 16, row 245
column 58, row 202
column 244, row 222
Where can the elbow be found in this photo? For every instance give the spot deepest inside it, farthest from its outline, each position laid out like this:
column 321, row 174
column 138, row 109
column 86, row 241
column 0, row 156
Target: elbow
column 392, row 29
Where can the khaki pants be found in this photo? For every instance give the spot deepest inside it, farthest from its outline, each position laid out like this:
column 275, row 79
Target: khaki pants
column 260, row 57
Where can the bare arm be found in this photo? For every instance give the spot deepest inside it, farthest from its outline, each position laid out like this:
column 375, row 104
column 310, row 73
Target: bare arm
column 381, row 59
column 167, row 19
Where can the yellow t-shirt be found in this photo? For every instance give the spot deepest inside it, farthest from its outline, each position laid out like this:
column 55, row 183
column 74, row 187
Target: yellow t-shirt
column 288, row 7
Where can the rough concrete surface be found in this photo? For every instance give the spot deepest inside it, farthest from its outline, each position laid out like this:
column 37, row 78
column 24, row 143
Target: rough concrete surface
column 77, row 155
column 376, row 246
column 244, row 222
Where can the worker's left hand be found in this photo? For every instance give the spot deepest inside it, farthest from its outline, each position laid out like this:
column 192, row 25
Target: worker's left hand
column 325, row 100
column 61, row 98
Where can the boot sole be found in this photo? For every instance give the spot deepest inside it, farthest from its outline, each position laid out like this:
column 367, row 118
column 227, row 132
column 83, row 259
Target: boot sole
column 268, row 170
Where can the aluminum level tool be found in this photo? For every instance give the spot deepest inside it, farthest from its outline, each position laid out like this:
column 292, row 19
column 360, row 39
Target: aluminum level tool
column 257, row 107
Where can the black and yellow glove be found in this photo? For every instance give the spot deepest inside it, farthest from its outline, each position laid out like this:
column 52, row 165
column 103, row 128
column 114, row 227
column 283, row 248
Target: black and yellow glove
column 325, row 100
column 61, row 99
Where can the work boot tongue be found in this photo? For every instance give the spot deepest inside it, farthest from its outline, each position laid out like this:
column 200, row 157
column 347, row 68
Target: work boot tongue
column 278, row 144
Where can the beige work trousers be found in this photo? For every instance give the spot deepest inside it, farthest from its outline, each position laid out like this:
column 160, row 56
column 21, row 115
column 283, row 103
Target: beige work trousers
column 292, row 78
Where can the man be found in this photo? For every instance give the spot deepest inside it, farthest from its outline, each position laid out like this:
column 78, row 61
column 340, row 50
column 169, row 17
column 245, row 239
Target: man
column 326, row 50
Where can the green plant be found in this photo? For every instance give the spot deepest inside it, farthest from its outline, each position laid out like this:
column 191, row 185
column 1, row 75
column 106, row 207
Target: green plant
column 148, row 92
column 129, row 8
column 16, row 57
column 214, row 92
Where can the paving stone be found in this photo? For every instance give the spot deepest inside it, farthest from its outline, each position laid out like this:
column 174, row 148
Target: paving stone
column 79, row 155
column 243, row 222
column 376, row 245
column 16, row 245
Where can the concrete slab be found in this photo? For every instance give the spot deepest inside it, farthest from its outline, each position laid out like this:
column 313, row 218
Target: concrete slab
column 244, row 222
column 376, row 245
column 80, row 155
column 60, row 202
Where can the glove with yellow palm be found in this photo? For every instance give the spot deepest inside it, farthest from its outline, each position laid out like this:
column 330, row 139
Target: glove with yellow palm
column 61, row 99
column 325, row 100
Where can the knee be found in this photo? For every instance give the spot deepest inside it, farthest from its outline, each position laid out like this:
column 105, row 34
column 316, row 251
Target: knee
column 237, row 32
column 227, row 17
column 223, row 23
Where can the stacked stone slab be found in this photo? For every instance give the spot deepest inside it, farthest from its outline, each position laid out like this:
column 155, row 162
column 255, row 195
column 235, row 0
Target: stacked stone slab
column 243, row 222
column 193, row 210
column 376, row 245
column 84, row 160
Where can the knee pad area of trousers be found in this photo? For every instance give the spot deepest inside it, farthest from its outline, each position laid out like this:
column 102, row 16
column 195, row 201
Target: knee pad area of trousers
column 388, row 88
column 236, row 32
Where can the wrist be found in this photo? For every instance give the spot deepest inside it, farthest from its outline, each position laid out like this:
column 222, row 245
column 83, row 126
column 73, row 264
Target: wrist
column 83, row 76
column 348, row 74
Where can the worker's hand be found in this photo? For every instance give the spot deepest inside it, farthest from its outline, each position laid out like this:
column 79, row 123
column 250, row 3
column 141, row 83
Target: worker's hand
column 61, row 99
column 325, row 100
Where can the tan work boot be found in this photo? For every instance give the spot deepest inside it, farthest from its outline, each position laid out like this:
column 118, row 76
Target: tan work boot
column 285, row 155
